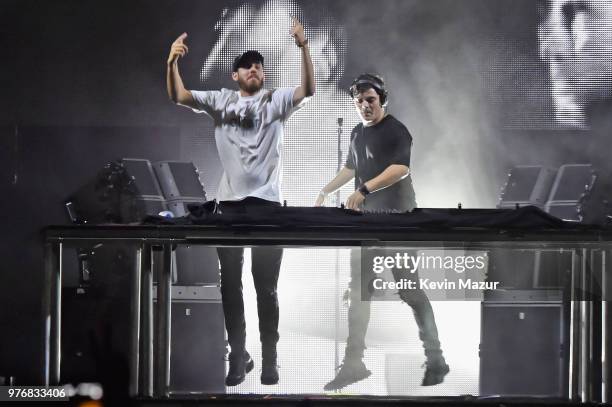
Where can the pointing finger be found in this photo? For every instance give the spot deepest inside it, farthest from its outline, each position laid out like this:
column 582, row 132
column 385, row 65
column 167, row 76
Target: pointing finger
column 181, row 37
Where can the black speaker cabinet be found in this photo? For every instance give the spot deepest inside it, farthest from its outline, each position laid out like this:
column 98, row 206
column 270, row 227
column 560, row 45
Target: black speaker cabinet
column 197, row 358
column 524, row 348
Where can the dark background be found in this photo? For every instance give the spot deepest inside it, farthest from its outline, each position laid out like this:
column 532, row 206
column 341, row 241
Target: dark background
column 83, row 83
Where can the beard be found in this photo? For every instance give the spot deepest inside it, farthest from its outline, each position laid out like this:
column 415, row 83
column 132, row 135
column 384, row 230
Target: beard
column 249, row 85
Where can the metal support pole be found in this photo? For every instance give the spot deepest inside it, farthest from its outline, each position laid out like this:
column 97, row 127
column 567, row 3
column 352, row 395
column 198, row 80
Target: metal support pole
column 337, row 268
column 574, row 354
column 162, row 328
column 135, row 324
column 585, row 330
column 605, row 342
column 146, row 321
column 606, row 349
column 595, row 291
column 52, row 299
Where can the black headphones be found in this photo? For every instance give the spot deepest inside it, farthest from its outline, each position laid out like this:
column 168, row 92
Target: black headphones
column 373, row 81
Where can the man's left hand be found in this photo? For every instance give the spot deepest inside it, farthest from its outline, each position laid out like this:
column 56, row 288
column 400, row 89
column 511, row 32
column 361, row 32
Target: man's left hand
column 355, row 200
column 297, row 32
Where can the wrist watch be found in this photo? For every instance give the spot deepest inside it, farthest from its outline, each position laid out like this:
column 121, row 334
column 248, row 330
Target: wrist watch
column 301, row 44
column 363, row 189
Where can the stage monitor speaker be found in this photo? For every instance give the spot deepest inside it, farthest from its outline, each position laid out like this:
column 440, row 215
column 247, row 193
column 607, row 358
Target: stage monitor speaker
column 523, row 348
column 572, row 183
column 198, row 347
column 527, row 185
column 141, row 171
column 179, row 180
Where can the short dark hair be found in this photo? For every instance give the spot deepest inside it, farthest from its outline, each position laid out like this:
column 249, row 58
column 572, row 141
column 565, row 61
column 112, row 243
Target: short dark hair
column 247, row 59
column 367, row 81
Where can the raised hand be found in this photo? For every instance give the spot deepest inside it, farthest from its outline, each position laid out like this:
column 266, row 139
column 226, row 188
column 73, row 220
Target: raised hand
column 297, row 32
column 178, row 49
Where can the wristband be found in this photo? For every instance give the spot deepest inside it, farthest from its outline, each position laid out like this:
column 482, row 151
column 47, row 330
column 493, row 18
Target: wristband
column 363, row 189
column 301, row 44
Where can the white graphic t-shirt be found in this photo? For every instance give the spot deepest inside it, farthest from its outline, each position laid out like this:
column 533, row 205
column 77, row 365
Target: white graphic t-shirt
column 249, row 136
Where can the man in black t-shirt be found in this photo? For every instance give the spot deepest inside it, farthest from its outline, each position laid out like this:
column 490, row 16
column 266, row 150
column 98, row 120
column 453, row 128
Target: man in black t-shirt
column 379, row 161
column 374, row 150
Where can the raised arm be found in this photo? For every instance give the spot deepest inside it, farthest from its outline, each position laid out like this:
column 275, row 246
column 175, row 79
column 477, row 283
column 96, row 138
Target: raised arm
column 392, row 174
column 174, row 84
column 307, row 86
column 344, row 175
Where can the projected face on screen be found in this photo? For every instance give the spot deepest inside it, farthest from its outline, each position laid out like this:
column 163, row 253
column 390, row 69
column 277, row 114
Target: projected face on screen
column 575, row 38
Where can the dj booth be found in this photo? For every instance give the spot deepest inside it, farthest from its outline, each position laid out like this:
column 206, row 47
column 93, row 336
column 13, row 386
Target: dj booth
column 583, row 371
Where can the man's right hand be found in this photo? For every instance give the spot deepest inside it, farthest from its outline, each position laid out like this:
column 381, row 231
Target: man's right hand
column 178, row 49
column 320, row 200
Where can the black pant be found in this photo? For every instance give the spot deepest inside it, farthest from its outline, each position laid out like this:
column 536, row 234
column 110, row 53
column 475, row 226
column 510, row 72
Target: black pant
column 266, row 262
column 359, row 309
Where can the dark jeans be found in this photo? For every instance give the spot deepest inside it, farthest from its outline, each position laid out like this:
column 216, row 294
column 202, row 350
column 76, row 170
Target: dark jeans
column 359, row 309
column 266, row 262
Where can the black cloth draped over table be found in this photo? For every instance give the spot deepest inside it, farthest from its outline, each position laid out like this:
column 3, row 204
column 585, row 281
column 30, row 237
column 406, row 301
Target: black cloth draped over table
column 528, row 217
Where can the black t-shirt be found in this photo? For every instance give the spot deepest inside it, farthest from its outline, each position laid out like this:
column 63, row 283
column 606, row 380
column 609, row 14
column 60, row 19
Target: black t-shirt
column 372, row 150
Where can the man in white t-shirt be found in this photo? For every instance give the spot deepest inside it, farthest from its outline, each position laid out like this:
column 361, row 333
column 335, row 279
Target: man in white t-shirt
column 249, row 136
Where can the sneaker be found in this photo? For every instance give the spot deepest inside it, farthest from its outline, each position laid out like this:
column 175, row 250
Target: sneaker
column 351, row 371
column 435, row 370
column 269, row 372
column 238, row 368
